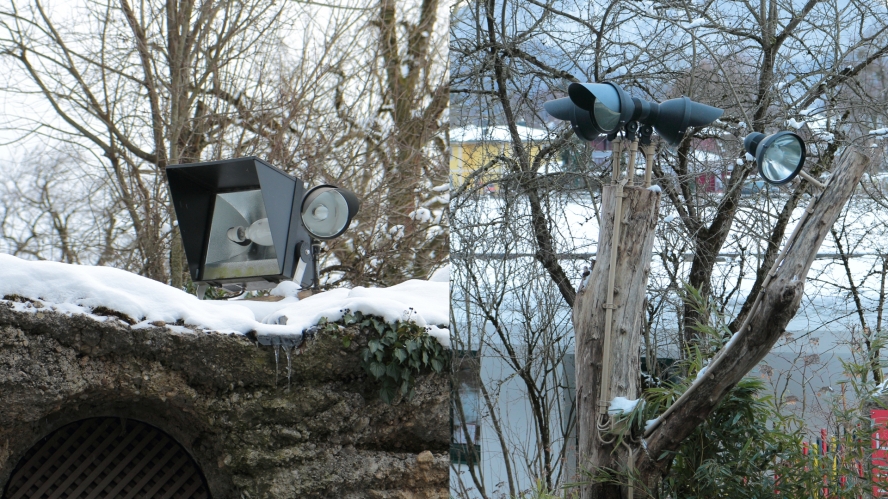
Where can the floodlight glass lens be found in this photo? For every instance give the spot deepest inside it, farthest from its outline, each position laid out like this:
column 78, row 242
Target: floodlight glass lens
column 325, row 213
column 782, row 158
column 606, row 119
column 240, row 243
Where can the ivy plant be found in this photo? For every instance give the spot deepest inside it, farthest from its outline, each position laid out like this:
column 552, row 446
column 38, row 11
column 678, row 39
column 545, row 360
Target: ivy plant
column 395, row 353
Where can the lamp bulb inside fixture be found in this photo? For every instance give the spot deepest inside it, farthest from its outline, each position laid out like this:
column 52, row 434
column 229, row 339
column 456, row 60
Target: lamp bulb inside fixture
column 258, row 232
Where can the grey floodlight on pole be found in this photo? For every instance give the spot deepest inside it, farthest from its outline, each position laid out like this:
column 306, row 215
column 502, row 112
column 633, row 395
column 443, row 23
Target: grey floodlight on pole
column 780, row 157
column 594, row 109
column 242, row 225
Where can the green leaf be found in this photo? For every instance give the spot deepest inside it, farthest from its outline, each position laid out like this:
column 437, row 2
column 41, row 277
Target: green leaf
column 346, row 341
column 378, row 326
column 412, row 345
column 387, row 394
column 437, row 365
column 393, row 371
column 391, row 337
column 400, row 354
column 374, row 345
column 377, row 369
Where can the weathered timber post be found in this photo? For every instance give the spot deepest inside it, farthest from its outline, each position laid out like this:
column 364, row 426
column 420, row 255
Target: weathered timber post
column 640, row 209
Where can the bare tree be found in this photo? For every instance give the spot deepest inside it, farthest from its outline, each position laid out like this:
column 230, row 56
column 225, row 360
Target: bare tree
column 51, row 209
column 146, row 85
column 509, row 57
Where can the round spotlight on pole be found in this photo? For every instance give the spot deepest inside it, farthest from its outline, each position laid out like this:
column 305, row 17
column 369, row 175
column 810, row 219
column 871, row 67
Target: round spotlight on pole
column 327, row 211
column 780, row 156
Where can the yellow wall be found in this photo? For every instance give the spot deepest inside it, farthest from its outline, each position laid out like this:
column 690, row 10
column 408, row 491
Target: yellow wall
column 466, row 157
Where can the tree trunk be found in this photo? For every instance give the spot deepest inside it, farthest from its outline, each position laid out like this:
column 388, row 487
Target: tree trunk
column 780, row 301
column 640, row 208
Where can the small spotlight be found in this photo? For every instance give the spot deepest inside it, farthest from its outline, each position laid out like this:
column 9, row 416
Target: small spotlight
column 327, row 211
column 780, row 156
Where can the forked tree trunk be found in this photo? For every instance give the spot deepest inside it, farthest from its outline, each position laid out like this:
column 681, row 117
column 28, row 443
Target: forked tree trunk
column 780, row 302
column 766, row 323
column 640, row 207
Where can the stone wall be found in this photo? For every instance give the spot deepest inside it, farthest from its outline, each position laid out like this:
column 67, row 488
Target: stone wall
column 328, row 435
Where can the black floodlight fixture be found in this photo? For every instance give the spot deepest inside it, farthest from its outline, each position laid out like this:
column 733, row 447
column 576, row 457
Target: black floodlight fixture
column 780, row 156
column 241, row 222
column 328, row 210
column 605, row 108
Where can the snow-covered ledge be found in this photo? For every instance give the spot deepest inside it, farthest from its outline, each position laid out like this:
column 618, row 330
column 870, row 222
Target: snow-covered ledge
column 79, row 342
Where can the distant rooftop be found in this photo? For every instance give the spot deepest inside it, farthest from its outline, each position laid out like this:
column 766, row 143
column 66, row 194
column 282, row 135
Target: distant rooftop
column 499, row 133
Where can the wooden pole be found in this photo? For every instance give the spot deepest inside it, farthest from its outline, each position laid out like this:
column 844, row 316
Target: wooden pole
column 591, row 317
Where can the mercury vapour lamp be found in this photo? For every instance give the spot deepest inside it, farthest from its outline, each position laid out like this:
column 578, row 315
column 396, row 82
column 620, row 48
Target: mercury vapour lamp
column 244, row 222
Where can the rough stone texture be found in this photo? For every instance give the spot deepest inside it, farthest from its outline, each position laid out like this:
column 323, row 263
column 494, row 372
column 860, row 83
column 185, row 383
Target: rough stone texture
column 327, row 436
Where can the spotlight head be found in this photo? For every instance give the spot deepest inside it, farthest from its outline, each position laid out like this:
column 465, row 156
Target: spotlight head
column 604, row 108
column 328, row 210
column 580, row 120
column 593, row 108
column 672, row 118
column 780, row 156
column 607, row 103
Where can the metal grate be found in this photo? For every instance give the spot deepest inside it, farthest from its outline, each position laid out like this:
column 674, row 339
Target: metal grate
column 107, row 458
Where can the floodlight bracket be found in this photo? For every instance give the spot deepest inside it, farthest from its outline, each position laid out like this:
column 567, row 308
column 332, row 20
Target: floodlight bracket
column 280, row 340
column 315, row 258
column 645, row 132
column 631, row 129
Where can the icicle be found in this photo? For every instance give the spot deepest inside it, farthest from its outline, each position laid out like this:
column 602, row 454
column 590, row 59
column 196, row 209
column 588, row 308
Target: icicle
column 289, row 367
column 277, row 355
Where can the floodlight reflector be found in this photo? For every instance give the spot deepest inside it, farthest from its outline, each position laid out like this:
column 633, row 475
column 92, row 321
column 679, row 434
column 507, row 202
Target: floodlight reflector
column 251, row 251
